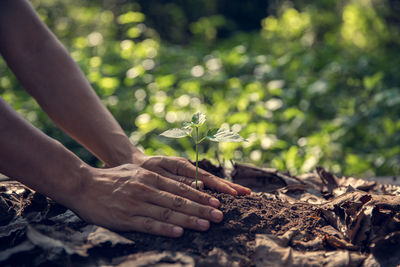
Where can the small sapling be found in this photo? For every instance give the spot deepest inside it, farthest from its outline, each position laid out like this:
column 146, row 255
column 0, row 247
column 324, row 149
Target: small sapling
column 214, row 134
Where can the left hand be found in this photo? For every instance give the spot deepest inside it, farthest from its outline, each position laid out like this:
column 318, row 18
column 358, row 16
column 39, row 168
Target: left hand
column 180, row 169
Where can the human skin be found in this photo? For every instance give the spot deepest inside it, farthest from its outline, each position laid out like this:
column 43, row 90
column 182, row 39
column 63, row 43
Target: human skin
column 138, row 192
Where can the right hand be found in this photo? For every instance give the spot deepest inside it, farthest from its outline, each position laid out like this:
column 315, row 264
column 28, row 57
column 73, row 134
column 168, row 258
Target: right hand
column 180, row 169
column 130, row 198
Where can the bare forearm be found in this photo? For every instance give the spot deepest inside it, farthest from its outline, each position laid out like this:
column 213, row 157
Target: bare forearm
column 35, row 159
column 51, row 76
column 46, row 70
column 60, row 88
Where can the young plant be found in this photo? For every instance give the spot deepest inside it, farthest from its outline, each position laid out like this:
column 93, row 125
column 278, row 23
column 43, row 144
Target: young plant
column 214, row 134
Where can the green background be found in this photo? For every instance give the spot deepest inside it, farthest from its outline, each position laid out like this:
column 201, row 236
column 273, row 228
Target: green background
column 306, row 84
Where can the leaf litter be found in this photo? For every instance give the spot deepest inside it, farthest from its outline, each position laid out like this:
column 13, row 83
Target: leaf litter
column 315, row 219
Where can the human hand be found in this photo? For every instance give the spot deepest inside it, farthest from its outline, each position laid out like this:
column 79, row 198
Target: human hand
column 180, row 169
column 130, row 198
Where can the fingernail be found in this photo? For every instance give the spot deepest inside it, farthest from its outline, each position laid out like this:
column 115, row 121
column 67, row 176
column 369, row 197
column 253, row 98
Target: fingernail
column 216, row 214
column 177, row 231
column 214, row 202
column 203, row 223
column 246, row 191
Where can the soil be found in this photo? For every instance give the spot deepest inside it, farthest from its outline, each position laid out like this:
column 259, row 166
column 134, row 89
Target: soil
column 316, row 219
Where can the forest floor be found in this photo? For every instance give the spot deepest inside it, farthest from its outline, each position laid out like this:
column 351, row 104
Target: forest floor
column 315, row 219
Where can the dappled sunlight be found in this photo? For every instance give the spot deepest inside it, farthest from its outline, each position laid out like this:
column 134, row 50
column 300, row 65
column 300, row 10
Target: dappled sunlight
column 361, row 25
column 314, row 84
column 291, row 24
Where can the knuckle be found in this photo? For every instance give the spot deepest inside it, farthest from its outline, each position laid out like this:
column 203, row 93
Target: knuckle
column 141, row 177
column 168, row 229
column 145, row 173
column 190, row 220
column 166, row 214
column 157, row 180
column 122, row 179
column 183, row 187
column 178, row 202
column 183, row 160
column 204, row 210
column 179, row 164
column 148, row 224
column 134, row 173
column 150, row 162
column 208, row 175
column 175, row 168
column 139, row 188
column 136, row 184
column 181, row 179
column 163, row 160
column 124, row 167
column 204, row 198
column 148, row 177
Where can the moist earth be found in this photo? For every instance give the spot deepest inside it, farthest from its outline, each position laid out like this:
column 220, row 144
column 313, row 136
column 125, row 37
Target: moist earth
column 315, row 219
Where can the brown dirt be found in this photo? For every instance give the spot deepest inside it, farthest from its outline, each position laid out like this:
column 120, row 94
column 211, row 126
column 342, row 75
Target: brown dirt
column 312, row 220
column 244, row 217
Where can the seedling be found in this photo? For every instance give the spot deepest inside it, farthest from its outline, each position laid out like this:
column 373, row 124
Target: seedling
column 214, row 134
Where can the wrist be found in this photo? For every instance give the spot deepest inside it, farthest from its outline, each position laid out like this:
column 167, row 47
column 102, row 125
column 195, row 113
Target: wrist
column 73, row 189
column 128, row 154
column 121, row 152
column 65, row 178
column 138, row 157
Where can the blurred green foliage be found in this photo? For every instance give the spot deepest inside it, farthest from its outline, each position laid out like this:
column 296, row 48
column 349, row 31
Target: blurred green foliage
column 310, row 84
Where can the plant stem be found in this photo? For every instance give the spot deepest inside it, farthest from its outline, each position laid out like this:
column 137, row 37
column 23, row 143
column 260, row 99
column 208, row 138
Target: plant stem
column 197, row 155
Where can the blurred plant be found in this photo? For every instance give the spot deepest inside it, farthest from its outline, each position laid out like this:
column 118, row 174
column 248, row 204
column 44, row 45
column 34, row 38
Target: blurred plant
column 317, row 85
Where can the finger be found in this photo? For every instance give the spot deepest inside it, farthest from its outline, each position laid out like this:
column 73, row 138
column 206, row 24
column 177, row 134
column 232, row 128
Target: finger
column 178, row 178
column 242, row 190
column 182, row 179
column 184, row 205
column 171, row 216
column 150, row 226
column 221, row 184
column 180, row 189
column 199, row 185
column 185, row 168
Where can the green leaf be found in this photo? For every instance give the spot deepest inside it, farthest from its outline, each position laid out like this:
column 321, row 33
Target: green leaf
column 176, row 133
column 199, row 118
column 224, row 135
column 212, row 132
column 188, row 129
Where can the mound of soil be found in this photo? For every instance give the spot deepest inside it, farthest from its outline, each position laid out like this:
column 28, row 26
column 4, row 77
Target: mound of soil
column 315, row 219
